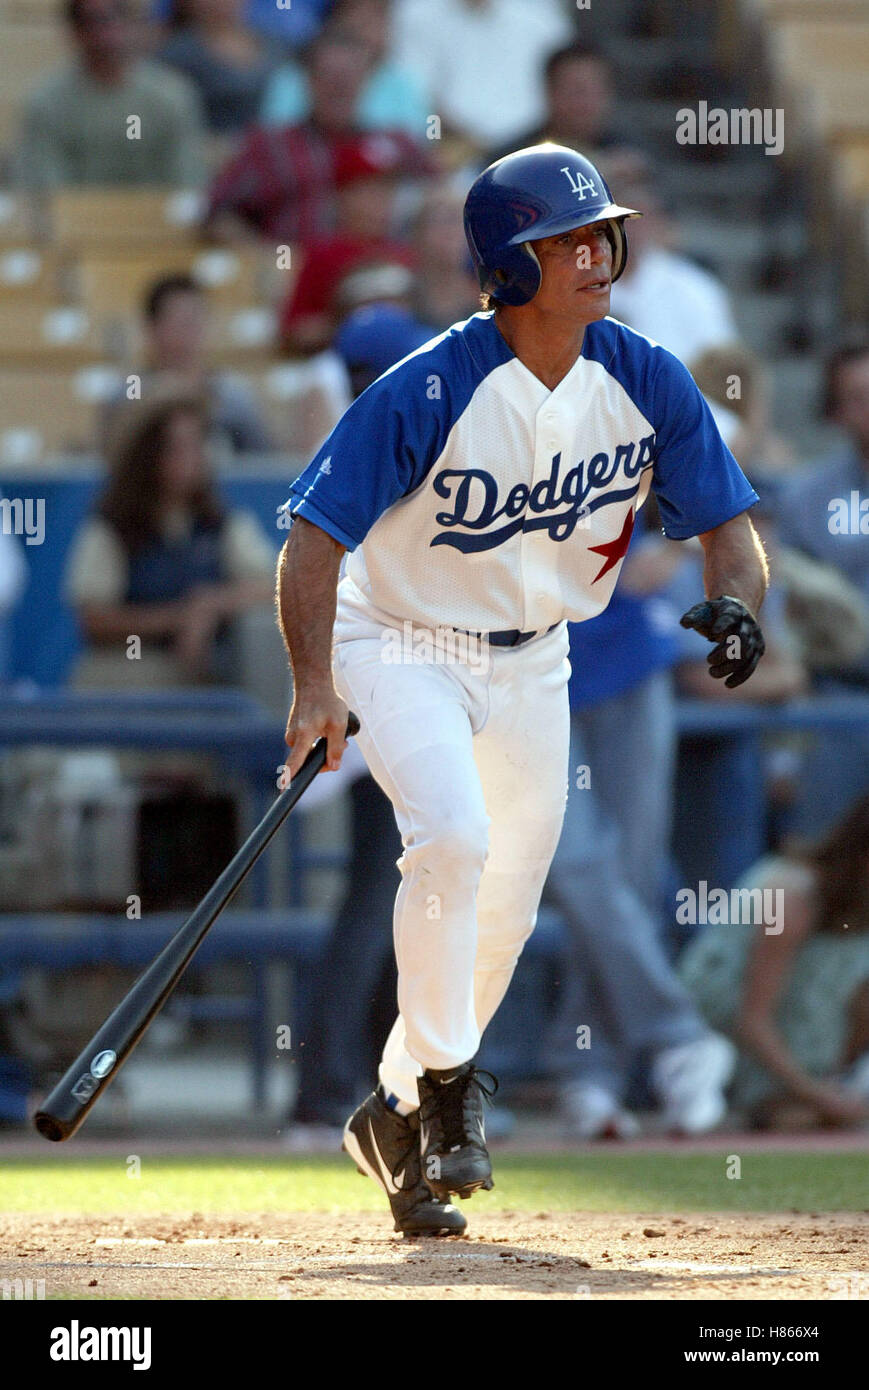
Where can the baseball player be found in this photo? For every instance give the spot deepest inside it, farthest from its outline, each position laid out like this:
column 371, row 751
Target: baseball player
column 486, row 488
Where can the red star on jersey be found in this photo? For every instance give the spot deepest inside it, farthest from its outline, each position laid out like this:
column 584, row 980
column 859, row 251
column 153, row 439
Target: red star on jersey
column 614, row 550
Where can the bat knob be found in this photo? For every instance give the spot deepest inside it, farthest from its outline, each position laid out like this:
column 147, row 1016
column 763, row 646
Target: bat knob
column 352, row 725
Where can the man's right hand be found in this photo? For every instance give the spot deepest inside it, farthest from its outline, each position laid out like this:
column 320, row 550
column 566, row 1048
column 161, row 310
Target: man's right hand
column 316, row 713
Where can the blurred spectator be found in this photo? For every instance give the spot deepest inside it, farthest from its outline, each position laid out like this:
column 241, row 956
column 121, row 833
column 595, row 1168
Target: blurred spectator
column 824, row 515
column 228, row 63
column 447, row 290
column 13, row 580
column 794, row 992
column 481, row 61
column 374, row 338
column 663, row 294
column 812, row 618
column 824, row 510
column 291, row 25
column 365, row 173
column 731, row 376
column 281, row 184
column 15, row 1088
column 163, row 561
column 580, row 99
column 175, row 313
column 781, row 675
column 76, row 128
column 386, row 282
column 391, row 98
column 608, row 876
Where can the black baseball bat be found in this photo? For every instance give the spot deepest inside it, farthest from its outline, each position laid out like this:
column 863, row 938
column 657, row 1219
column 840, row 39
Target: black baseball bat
column 99, row 1062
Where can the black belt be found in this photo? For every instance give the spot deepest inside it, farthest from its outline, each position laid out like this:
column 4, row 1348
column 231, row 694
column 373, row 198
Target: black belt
column 511, row 637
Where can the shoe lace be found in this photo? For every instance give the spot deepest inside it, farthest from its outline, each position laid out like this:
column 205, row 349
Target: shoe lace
column 452, row 1104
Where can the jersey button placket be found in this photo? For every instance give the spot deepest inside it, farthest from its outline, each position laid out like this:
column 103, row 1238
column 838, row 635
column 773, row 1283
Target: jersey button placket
column 533, row 561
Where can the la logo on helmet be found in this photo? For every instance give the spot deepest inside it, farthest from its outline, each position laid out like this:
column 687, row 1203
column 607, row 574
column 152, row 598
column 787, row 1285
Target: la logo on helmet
column 579, row 183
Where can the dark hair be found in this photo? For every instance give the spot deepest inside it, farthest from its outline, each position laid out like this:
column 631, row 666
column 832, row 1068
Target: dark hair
column 839, row 860
column 488, row 301
column 572, row 53
column 131, row 500
column 853, row 346
column 161, row 290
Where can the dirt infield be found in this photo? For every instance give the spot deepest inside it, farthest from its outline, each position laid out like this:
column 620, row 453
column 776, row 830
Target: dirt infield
column 505, row 1255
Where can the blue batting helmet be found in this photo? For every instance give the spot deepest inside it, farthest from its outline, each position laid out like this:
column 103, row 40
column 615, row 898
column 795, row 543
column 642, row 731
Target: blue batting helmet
column 537, row 192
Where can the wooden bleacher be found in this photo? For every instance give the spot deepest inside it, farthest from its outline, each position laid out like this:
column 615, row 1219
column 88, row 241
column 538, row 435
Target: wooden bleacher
column 60, row 337
column 828, row 10
column 45, row 412
column 113, row 281
column 819, row 51
column 123, row 218
column 29, row 274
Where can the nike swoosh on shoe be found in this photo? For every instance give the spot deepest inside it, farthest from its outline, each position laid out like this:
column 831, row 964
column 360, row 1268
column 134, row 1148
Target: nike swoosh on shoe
column 387, row 1177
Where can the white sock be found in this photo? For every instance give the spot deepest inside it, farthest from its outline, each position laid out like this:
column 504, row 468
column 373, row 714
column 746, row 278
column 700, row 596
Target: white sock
column 401, row 1107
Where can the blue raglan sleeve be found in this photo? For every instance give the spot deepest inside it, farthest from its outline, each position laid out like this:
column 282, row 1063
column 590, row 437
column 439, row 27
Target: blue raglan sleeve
column 697, row 481
column 379, row 451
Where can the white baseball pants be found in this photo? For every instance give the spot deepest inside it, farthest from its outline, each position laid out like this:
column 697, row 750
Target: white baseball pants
column 473, row 755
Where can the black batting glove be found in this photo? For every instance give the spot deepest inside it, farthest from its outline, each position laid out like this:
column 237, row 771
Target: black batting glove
column 736, row 631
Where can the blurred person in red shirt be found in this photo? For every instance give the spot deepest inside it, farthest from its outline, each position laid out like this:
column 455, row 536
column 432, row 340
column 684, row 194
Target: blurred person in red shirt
column 365, row 174
column 280, row 185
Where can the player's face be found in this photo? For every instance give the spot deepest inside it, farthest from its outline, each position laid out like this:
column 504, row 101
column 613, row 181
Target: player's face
column 577, row 273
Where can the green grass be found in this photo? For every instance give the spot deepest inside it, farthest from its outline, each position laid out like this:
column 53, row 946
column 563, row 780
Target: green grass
column 624, row 1182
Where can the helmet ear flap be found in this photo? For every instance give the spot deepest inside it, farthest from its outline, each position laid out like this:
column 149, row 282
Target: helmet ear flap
column 517, row 279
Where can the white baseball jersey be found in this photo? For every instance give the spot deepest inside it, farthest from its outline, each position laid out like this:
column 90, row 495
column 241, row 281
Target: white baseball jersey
column 472, row 496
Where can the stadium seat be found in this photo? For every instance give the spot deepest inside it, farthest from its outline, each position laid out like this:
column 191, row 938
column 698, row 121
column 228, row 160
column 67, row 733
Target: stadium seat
column 31, row 335
column 109, row 283
column 28, row 274
column 244, row 336
column 828, row 10
column 17, row 224
column 808, row 48
column 27, row 11
column 853, row 160
column 43, row 413
column 839, row 103
column 123, row 218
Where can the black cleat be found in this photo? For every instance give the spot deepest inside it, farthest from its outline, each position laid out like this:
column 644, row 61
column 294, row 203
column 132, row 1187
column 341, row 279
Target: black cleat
column 452, row 1136
column 385, row 1146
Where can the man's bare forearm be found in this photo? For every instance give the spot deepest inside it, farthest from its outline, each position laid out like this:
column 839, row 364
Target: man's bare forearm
column 736, row 563
column 307, row 583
